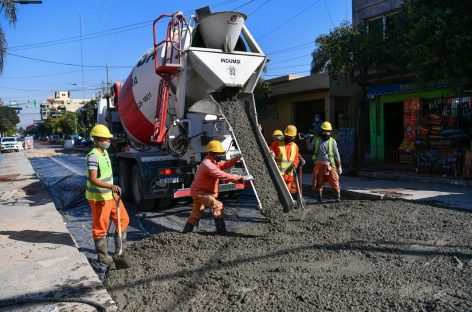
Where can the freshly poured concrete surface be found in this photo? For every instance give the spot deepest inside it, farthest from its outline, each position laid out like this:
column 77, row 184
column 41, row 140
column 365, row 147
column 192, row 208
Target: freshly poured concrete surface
column 39, row 258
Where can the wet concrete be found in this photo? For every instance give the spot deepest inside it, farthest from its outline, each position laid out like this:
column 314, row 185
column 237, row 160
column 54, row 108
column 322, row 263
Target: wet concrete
column 351, row 256
column 237, row 116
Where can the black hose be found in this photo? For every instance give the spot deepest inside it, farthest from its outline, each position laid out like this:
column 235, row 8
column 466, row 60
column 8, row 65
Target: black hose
column 100, row 307
column 179, row 145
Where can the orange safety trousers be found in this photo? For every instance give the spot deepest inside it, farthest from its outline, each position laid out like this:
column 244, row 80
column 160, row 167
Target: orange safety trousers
column 321, row 172
column 291, row 184
column 200, row 202
column 102, row 211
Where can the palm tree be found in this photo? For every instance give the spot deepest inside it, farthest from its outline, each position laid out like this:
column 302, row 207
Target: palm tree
column 8, row 8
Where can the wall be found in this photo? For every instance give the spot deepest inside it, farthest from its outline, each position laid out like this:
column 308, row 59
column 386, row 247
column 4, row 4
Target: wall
column 377, row 127
column 365, row 9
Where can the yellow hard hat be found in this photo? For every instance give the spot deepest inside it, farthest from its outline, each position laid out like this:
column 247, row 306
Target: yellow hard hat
column 100, row 131
column 326, row 126
column 215, row 146
column 290, row 131
column 277, row 132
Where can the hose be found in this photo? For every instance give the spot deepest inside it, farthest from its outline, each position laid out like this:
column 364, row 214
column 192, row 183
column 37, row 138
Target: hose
column 100, row 307
column 178, row 146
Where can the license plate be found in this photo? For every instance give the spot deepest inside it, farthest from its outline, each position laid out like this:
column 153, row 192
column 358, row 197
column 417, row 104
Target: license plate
column 169, row 180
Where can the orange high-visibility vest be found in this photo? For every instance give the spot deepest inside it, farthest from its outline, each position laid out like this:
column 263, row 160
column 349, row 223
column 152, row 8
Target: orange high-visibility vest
column 281, row 159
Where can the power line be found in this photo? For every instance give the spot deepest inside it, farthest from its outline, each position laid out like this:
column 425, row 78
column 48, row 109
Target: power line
column 102, row 33
column 290, row 59
column 291, row 66
column 290, row 48
column 288, row 20
column 67, row 64
column 259, row 7
column 244, row 4
column 329, row 13
column 47, row 75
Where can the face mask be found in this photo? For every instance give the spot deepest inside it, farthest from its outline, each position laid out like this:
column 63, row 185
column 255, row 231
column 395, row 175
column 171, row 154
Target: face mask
column 219, row 157
column 278, row 138
column 325, row 137
column 104, row 145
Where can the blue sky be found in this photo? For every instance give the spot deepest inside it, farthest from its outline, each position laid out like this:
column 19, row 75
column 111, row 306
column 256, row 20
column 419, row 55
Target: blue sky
column 117, row 32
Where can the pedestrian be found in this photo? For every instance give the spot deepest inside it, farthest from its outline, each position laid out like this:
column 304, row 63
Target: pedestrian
column 205, row 186
column 327, row 162
column 99, row 193
column 287, row 157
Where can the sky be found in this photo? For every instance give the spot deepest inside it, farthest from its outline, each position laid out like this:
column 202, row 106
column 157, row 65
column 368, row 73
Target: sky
column 67, row 44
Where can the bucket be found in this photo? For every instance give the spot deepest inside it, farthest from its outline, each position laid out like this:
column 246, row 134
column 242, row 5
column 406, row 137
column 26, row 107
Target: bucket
column 221, row 30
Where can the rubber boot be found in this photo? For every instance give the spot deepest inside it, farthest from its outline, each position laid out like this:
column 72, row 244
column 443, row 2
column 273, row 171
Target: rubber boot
column 320, row 196
column 102, row 251
column 124, row 235
column 220, row 226
column 188, row 228
column 338, row 197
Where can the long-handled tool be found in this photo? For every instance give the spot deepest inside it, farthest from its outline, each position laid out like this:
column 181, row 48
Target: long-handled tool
column 299, row 187
column 120, row 259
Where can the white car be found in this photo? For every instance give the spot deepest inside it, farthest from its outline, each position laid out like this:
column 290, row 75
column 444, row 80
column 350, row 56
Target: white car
column 9, row 144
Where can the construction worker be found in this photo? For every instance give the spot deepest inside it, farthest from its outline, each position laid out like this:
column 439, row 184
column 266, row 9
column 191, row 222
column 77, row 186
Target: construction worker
column 287, row 157
column 99, row 193
column 327, row 162
column 277, row 136
column 204, row 188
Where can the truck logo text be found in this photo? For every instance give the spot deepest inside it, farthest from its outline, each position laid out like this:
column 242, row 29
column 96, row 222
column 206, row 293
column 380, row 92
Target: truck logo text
column 230, row 61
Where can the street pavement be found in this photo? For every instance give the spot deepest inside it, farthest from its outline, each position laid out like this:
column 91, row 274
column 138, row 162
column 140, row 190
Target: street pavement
column 39, row 258
column 419, row 189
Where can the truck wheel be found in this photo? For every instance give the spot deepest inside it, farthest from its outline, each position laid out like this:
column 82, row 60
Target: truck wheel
column 125, row 180
column 137, row 186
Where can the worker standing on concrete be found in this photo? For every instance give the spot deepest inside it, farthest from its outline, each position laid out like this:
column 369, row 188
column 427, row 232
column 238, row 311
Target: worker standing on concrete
column 287, row 157
column 99, row 193
column 327, row 162
column 205, row 186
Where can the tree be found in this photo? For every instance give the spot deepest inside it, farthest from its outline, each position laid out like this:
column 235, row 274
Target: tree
column 352, row 53
column 8, row 120
column 65, row 124
column 87, row 116
column 8, row 8
column 437, row 41
column 262, row 96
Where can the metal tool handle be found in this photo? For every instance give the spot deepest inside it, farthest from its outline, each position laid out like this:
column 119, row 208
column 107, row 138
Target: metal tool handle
column 118, row 220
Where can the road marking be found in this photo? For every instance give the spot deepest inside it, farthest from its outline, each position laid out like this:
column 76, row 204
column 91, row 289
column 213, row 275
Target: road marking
column 67, row 166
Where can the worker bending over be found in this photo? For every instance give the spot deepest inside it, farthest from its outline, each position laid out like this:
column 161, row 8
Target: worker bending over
column 287, row 157
column 327, row 162
column 99, row 193
column 204, row 188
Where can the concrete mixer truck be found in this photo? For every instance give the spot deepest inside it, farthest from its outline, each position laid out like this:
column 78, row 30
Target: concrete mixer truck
column 167, row 109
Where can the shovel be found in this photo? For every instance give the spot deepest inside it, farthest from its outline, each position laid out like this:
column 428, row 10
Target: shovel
column 299, row 189
column 120, row 259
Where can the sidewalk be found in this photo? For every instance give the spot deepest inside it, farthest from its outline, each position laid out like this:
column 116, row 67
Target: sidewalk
column 39, row 258
column 422, row 190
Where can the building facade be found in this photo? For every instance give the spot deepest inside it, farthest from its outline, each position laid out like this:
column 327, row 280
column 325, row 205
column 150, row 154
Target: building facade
column 59, row 104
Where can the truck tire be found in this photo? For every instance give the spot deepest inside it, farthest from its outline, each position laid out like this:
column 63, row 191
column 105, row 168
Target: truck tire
column 124, row 177
column 137, row 195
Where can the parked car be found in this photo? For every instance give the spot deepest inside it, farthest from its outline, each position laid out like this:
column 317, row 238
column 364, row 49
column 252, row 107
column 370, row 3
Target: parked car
column 9, row 144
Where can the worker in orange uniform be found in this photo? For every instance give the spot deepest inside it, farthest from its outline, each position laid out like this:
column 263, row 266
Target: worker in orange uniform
column 99, row 193
column 204, row 188
column 287, row 157
column 277, row 136
column 327, row 162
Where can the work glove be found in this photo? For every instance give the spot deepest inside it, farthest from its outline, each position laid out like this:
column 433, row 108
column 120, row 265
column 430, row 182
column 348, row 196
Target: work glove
column 340, row 170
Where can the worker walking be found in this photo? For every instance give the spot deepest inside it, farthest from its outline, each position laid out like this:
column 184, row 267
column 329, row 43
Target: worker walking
column 205, row 186
column 99, row 193
column 287, row 157
column 327, row 162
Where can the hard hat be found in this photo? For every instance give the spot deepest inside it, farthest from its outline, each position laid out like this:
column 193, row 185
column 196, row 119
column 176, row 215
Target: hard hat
column 326, row 126
column 215, row 146
column 290, row 131
column 277, row 132
column 100, row 131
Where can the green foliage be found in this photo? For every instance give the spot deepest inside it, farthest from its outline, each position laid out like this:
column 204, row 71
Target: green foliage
column 87, row 116
column 32, row 129
column 262, row 96
column 8, row 8
column 8, row 120
column 64, row 124
column 437, row 40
